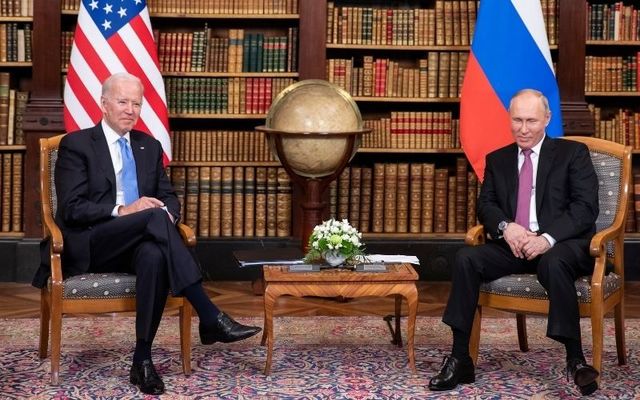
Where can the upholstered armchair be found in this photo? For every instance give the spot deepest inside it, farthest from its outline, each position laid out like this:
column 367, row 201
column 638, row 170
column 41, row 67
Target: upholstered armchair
column 597, row 294
column 88, row 293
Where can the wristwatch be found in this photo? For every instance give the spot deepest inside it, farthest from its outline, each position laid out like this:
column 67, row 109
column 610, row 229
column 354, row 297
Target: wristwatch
column 501, row 227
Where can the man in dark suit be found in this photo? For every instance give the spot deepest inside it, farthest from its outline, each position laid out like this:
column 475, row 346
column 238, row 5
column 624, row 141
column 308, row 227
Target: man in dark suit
column 117, row 212
column 543, row 226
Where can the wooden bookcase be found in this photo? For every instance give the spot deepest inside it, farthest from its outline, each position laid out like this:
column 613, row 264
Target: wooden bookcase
column 611, row 81
column 44, row 112
column 16, row 26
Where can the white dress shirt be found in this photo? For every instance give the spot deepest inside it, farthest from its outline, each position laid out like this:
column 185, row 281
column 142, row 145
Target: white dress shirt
column 533, row 216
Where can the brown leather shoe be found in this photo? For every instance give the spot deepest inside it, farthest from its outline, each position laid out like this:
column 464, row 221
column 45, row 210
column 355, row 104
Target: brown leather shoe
column 452, row 373
column 583, row 375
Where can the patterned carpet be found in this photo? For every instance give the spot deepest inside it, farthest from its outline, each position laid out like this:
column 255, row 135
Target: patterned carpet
column 314, row 358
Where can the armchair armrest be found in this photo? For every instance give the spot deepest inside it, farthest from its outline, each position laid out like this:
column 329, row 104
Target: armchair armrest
column 188, row 236
column 475, row 236
column 598, row 244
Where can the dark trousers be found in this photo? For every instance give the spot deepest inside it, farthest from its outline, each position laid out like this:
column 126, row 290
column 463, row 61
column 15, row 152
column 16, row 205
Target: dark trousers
column 557, row 270
column 148, row 245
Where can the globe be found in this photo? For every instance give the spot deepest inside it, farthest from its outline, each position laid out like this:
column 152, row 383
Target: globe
column 313, row 118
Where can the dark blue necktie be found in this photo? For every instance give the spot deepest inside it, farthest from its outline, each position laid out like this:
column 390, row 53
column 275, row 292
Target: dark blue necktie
column 128, row 175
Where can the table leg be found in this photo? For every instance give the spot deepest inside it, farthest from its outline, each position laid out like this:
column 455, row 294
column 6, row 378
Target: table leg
column 269, row 301
column 397, row 334
column 412, row 303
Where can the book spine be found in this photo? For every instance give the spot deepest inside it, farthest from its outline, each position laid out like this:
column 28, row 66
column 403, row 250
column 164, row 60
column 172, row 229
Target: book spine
column 402, row 198
column 16, row 197
column 261, row 201
column 271, row 203
column 226, row 196
column 215, row 204
column 283, row 201
column 238, row 201
column 355, row 197
column 390, row 196
column 415, row 198
column 377, row 207
column 204, row 201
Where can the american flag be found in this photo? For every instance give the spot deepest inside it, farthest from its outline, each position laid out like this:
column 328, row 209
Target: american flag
column 114, row 36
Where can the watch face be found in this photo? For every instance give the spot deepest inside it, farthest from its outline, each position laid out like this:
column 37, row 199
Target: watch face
column 503, row 225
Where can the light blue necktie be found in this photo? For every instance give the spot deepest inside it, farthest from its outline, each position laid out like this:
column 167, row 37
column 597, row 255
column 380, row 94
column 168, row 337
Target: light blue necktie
column 128, row 176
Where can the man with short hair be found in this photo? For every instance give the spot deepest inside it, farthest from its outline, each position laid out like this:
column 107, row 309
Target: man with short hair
column 117, row 212
column 543, row 226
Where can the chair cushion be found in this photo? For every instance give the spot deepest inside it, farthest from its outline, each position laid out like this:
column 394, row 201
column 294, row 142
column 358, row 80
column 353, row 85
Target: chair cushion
column 527, row 285
column 100, row 286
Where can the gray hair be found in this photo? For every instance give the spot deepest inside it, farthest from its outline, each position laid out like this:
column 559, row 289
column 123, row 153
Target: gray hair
column 537, row 93
column 107, row 85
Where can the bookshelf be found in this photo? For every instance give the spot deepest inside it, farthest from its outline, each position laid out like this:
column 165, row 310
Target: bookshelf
column 611, row 83
column 16, row 27
column 404, row 64
column 565, row 22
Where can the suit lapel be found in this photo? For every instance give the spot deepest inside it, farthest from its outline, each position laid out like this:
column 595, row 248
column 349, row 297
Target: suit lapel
column 511, row 165
column 139, row 155
column 103, row 155
column 545, row 163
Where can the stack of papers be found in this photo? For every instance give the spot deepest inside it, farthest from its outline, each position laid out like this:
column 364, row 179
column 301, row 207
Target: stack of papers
column 389, row 259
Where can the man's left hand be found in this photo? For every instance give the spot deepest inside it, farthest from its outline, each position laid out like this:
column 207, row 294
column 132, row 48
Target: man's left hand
column 535, row 246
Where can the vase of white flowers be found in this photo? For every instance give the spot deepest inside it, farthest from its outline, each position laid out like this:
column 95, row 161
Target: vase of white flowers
column 335, row 242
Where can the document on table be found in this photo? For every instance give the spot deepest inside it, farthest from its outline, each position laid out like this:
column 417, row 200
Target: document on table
column 389, row 259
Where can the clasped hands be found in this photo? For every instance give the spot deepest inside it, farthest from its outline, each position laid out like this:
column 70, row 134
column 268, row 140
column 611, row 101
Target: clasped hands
column 143, row 203
column 524, row 243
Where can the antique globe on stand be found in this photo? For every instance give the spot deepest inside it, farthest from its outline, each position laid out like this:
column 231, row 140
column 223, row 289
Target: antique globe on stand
column 314, row 128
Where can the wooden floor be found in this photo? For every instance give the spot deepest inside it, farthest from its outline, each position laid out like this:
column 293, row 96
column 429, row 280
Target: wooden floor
column 19, row 300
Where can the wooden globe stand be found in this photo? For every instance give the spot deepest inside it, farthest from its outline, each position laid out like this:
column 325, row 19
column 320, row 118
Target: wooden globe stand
column 313, row 187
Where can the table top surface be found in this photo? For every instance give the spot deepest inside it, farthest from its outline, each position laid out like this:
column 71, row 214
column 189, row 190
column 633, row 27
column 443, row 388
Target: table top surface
column 394, row 273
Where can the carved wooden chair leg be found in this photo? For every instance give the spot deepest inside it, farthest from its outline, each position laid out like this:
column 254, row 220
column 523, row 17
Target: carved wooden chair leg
column 620, row 338
column 521, row 321
column 45, row 317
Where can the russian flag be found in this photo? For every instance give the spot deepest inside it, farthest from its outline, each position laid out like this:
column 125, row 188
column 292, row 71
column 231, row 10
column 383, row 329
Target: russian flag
column 509, row 52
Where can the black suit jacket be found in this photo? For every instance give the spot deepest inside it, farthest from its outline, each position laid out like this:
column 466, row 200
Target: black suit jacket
column 86, row 190
column 566, row 190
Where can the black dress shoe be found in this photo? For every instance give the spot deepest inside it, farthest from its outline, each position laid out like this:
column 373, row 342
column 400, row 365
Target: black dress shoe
column 584, row 376
column 452, row 373
column 144, row 376
column 226, row 330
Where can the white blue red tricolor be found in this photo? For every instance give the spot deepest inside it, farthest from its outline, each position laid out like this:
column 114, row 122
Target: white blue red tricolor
column 509, row 52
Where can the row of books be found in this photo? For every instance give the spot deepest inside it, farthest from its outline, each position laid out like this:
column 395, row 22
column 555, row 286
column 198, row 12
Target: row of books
column 16, row 8
column 620, row 126
column 223, row 95
column 209, row 6
column 451, row 22
column 406, row 198
column 240, row 146
column 12, row 108
column 613, row 21
column 234, row 201
column 254, row 52
column 11, row 181
column 413, row 130
column 612, row 73
column 15, row 42
column 440, row 75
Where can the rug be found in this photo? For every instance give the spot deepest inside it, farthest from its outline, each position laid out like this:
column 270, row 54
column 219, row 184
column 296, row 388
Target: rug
column 314, row 358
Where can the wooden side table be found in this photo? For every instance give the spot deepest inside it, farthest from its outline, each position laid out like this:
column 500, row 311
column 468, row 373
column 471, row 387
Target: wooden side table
column 399, row 280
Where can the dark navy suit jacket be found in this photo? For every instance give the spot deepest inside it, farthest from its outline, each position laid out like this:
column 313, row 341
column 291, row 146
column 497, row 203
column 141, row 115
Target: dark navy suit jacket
column 85, row 185
column 566, row 190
